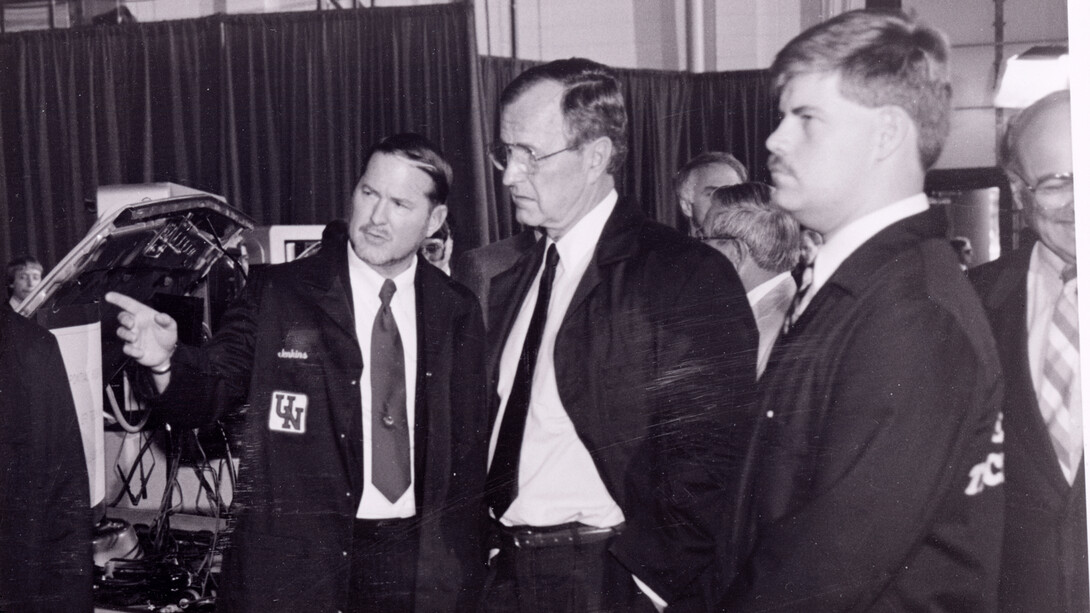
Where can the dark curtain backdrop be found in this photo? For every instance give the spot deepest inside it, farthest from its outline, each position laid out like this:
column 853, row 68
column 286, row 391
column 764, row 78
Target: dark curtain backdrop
column 274, row 112
column 673, row 116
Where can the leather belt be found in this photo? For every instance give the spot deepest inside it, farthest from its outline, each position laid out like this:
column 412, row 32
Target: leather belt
column 525, row 537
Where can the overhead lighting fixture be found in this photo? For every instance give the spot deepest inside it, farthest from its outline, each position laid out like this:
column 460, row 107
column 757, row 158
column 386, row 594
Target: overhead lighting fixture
column 1032, row 75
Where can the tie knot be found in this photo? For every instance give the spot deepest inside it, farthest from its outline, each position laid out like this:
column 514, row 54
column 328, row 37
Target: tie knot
column 552, row 257
column 1069, row 272
column 387, row 291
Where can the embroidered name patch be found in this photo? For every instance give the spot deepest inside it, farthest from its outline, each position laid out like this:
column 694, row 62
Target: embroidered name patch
column 288, row 412
column 292, row 354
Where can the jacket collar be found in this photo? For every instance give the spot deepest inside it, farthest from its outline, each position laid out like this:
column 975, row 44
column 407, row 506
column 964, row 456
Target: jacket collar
column 857, row 272
column 617, row 242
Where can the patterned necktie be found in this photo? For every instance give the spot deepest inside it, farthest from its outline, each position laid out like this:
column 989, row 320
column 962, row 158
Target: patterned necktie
column 502, row 484
column 1061, row 366
column 803, row 273
column 390, row 469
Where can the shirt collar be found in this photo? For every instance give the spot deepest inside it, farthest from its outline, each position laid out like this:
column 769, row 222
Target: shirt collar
column 578, row 243
column 841, row 244
column 1047, row 260
column 372, row 280
column 754, row 295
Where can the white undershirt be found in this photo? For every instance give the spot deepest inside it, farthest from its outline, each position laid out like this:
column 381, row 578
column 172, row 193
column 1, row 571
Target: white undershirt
column 754, row 295
column 558, row 481
column 366, row 283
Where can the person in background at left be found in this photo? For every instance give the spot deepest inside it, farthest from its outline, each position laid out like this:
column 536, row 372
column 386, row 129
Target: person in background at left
column 46, row 561
column 1031, row 299
column 763, row 242
column 24, row 274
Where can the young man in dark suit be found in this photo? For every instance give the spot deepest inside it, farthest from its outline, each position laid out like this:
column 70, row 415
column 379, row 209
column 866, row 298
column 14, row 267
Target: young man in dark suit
column 872, row 481
column 622, row 353
column 1031, row 300
column 366, row 433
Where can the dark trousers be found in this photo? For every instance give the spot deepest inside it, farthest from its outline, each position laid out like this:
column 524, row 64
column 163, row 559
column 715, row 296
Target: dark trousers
column 384, row 555
column 571, row 577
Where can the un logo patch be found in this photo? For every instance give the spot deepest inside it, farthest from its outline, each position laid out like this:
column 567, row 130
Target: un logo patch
column 288, row 412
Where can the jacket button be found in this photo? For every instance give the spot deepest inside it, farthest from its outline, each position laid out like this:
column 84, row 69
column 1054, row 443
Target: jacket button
column 352, row 383
column 342, row 435
column 769, row 414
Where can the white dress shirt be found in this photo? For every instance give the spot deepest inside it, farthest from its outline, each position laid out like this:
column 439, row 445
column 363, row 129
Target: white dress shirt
column 558, row 481
column 839, row 245
column 754, row 295
column 1043, row 289
column 366, row 283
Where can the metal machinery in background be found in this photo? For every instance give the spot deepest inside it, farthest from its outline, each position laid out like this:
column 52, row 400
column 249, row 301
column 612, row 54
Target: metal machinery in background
column 162, row 252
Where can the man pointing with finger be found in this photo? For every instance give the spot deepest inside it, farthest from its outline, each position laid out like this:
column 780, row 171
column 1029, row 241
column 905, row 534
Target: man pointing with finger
column 362, row 368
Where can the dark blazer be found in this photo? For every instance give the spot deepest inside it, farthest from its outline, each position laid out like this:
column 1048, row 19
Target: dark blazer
column 655, row 360
column 871, row 482
column 293, row 332
column 45, row 513
column 476, row 267
column 1044, row 542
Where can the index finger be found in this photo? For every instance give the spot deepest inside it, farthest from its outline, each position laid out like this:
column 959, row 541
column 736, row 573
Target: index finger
column 126, row 303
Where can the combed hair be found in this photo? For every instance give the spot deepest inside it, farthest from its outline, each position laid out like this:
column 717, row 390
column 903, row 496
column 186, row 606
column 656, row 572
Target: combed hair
column 707, row 159
column 592, row 104
column 883, row 58
column 745, row 212
column 424, row 155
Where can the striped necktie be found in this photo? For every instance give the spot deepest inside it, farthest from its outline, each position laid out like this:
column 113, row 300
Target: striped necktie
column 803, row 274
column 1061, row 366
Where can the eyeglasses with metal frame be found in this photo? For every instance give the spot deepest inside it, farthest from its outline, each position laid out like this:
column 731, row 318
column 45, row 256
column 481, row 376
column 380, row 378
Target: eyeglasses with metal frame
column 502, row 154
column 1053, row 191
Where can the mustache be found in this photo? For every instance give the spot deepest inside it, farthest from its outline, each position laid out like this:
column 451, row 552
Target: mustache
column 776, row 164
column 375, row 230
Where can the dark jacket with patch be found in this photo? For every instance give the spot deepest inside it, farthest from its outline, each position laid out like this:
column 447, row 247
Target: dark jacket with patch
column 299, row 491
column 873, row 478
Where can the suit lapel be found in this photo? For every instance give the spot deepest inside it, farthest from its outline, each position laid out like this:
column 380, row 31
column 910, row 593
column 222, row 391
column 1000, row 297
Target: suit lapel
column 1007, row 302
column 617, row 242
column 432, row 429
column 505, row 297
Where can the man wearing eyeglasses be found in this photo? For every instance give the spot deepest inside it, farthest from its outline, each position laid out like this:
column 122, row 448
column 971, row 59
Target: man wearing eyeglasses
column 1031, row 300
column 622, row 354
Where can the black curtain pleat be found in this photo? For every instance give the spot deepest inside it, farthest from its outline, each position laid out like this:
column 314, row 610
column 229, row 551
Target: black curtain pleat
column 276, row 111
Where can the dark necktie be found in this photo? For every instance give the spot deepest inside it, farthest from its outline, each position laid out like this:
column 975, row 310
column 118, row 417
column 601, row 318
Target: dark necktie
column 502, row 485
column 803, row 274
column 390, row 470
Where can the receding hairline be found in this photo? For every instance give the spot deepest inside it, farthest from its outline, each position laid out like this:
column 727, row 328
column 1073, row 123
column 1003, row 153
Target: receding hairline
column 1055, row 106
